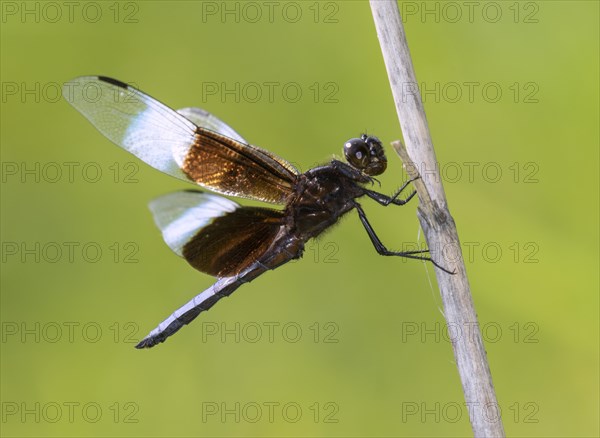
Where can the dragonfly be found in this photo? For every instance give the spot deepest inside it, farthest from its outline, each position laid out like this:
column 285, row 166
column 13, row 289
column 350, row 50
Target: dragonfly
column 214, row 234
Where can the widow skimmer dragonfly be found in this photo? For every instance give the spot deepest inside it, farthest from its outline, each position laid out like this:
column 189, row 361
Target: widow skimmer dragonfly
column 214, row 234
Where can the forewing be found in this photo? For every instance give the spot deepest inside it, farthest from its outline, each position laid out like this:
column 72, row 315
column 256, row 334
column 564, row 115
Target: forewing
column 133, row 120
column 168, row 141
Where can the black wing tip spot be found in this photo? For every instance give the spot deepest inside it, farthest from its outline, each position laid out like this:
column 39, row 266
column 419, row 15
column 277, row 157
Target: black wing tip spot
column 113, row 81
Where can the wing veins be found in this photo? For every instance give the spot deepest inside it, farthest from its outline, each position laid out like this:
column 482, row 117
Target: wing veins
column 261, row 163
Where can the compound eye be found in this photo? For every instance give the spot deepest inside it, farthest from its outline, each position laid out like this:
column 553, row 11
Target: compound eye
column 357, row 153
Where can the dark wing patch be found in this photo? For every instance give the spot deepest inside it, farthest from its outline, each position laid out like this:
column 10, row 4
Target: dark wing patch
column 234, row 241
column 227, row 166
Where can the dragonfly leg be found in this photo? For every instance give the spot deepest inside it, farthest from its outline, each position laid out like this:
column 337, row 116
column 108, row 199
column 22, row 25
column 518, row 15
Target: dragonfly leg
column 382, row 250
column 386, row 200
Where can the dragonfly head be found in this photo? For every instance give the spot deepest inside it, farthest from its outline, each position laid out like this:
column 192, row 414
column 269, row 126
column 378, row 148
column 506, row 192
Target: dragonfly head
column 366, row 154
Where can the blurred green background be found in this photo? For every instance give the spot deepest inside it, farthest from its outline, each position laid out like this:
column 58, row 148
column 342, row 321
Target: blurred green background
column 343, row 342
